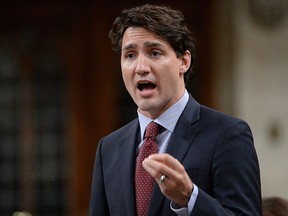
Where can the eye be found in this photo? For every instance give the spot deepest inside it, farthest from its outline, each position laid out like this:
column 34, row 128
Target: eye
column 130, row 55
column 155, row 53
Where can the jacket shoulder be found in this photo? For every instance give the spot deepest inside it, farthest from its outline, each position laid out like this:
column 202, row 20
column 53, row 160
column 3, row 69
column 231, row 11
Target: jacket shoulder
column 132, row 125
column 219, row 119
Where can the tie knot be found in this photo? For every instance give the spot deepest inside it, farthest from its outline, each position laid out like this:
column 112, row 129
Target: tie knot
column 152, row 130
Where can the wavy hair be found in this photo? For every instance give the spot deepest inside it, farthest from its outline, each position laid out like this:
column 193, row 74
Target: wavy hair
column 167, row 23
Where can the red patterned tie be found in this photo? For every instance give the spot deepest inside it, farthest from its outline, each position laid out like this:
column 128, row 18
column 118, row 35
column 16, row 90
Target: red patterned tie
column 143, row 181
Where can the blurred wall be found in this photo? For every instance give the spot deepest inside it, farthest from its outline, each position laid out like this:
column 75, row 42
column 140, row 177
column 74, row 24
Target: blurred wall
column 252, row 79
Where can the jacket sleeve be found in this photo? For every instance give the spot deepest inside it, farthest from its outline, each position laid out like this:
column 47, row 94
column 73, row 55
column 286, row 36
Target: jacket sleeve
column 236, row 176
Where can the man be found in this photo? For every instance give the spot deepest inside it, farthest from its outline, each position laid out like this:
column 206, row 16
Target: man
column 205, row 162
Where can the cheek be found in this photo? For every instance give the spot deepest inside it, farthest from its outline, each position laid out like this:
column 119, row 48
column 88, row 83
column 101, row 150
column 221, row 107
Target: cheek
column 169, row 77
column 127, row 70
column 127, row 79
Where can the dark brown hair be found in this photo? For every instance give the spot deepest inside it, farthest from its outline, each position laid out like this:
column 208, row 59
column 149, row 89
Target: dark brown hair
column 275, row 206
column 164, row 21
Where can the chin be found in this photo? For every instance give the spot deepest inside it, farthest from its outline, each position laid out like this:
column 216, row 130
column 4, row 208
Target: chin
column 149, row 111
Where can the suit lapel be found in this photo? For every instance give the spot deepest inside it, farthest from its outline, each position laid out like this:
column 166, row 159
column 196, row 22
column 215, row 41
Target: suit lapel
column 185, row 131
column 179, row 144
column 126, row 163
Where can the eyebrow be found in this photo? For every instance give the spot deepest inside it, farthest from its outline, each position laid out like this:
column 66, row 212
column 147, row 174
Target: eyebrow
column 129, row 46
column 147, row 44
column 153, row 44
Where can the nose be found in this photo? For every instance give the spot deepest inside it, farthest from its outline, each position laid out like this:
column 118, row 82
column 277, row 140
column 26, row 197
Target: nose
column 142, row 66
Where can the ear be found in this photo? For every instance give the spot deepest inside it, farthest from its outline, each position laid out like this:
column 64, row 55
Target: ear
column 185, row 61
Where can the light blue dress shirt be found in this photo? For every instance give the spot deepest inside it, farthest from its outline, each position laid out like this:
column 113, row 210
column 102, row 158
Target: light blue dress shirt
column 168, row 121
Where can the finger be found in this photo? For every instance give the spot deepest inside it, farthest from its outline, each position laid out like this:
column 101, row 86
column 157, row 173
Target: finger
column 167, row 159
column 157, row 168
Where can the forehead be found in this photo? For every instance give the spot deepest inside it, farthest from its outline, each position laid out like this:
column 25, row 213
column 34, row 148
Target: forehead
column 138, row 36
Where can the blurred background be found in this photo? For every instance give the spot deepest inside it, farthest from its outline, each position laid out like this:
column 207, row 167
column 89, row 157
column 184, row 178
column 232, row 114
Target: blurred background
column 61, row 90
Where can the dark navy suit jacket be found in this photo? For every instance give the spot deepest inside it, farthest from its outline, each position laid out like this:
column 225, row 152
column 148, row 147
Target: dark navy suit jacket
column 216, row 150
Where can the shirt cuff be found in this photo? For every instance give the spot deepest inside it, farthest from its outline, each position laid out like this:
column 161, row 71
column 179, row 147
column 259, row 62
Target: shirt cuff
column 185, row 211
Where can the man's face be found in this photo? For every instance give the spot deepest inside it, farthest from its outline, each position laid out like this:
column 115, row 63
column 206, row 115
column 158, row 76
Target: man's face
column 152, row 73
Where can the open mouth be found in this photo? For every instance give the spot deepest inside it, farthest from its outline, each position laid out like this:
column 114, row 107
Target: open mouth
column 146, row 86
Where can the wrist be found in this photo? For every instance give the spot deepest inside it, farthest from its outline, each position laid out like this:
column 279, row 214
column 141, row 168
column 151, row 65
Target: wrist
column 186, row 197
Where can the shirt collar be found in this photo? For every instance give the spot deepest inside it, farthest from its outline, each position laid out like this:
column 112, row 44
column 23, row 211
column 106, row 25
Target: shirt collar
column 168, row 119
